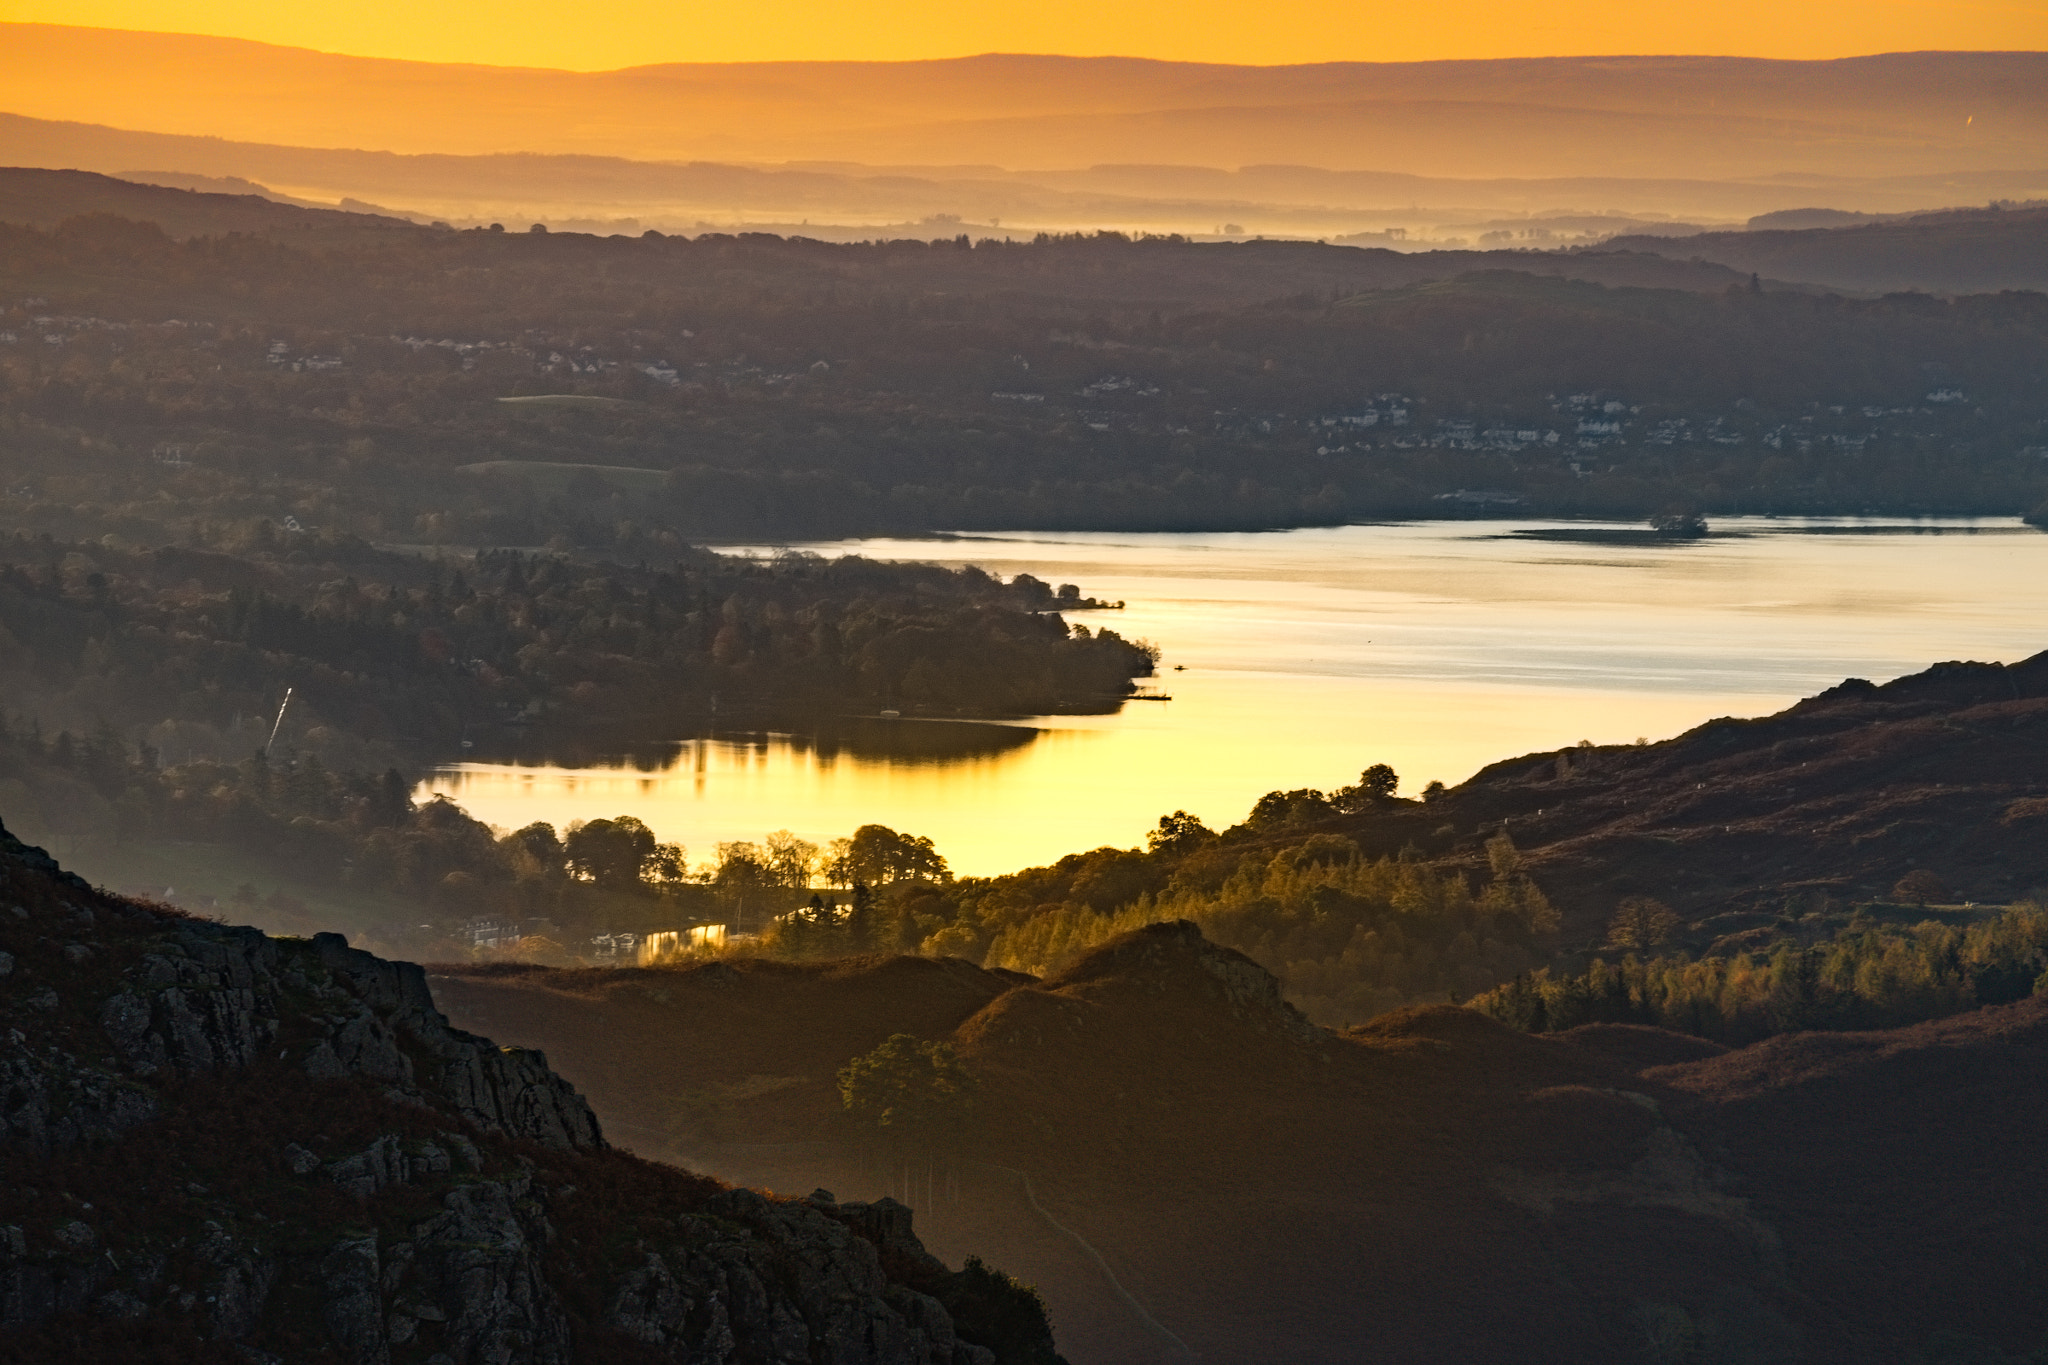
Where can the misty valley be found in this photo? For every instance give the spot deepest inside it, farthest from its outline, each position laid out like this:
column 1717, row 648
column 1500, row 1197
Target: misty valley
column 979, row 798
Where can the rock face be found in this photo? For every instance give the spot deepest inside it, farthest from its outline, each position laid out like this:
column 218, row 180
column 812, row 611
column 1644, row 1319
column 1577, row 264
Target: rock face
column 204, row 997
column 281, row 1148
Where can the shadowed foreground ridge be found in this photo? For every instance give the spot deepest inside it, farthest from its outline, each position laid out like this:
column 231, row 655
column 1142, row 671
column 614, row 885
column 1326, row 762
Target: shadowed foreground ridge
column 215, row 1145
column 1430, row 1186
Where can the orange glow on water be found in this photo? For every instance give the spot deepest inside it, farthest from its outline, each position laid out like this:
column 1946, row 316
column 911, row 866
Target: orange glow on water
column 1436, row 648
column 674, row 945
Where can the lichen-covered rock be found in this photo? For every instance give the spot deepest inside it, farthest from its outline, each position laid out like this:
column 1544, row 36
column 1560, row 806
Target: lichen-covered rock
column 239, row 1287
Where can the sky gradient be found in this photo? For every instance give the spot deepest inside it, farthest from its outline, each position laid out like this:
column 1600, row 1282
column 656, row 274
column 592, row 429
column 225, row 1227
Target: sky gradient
column 637, row 32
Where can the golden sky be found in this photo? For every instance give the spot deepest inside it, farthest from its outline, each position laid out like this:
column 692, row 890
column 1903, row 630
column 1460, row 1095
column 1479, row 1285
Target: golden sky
column 621, row 33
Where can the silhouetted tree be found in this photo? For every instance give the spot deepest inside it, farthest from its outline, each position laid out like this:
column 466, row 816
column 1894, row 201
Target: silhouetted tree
column 1178, row 834
column 1375, row 785
column 860, row 919
column 790, row 861
column 1277, row 809
column 1919, row 887
column 540, row 842
column 612, row 853
column 877, row 855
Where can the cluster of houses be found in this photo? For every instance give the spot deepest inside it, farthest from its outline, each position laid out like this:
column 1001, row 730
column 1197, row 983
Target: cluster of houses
column 56, row 329
column 1117, row 383
column 1591, row 421
column 280, row 355
column 492, row 934
column 662, row 945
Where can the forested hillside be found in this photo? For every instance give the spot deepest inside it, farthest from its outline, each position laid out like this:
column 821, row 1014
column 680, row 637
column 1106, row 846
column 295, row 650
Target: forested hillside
column 619, row 395
column 400, row 651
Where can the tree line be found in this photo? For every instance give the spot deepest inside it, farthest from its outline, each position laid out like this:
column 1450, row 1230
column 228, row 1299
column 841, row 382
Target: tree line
column 1351, row 936
column 1870, row 976
column 368, row 832
column 191, row 648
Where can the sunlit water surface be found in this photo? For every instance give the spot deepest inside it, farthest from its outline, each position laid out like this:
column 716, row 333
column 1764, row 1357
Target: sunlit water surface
column 1436, row 647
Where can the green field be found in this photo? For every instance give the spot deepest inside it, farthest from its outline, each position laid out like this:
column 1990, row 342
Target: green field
column 570, row 400
column 553, row 477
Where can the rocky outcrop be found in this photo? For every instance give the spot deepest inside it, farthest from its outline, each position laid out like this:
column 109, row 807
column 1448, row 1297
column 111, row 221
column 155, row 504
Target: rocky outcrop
column 470, row 1280
column 743, row 1279
column 173, row 993
column 754, row 1279
column 452, row 1232
column 206, row 996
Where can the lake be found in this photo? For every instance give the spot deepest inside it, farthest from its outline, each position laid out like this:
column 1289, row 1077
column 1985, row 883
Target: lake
column 1296, row 658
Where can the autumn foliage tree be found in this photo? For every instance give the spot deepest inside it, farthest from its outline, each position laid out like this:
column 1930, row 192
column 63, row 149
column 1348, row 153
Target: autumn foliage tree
column 1641, row 923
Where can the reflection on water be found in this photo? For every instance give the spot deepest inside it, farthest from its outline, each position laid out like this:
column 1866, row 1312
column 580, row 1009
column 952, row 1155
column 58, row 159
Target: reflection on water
column 678, row 945
column 859, row 739
column 1436, row 647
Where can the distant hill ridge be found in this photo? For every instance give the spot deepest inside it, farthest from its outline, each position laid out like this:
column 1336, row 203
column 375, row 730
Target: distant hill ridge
column 1892, row 113
column 1103, row 194
column 1245, row 271
column 1962, row 251
column 1956, row 252
column 45, row 198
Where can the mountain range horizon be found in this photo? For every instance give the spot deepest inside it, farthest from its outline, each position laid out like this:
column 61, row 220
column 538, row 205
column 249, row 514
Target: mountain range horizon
column 1971, row 109
column 1008, row 142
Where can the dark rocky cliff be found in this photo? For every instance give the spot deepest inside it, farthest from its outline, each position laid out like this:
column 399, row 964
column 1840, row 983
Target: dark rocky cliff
column 219, row 1145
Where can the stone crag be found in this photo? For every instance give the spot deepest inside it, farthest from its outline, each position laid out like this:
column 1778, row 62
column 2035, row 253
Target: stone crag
column 219, row 1145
